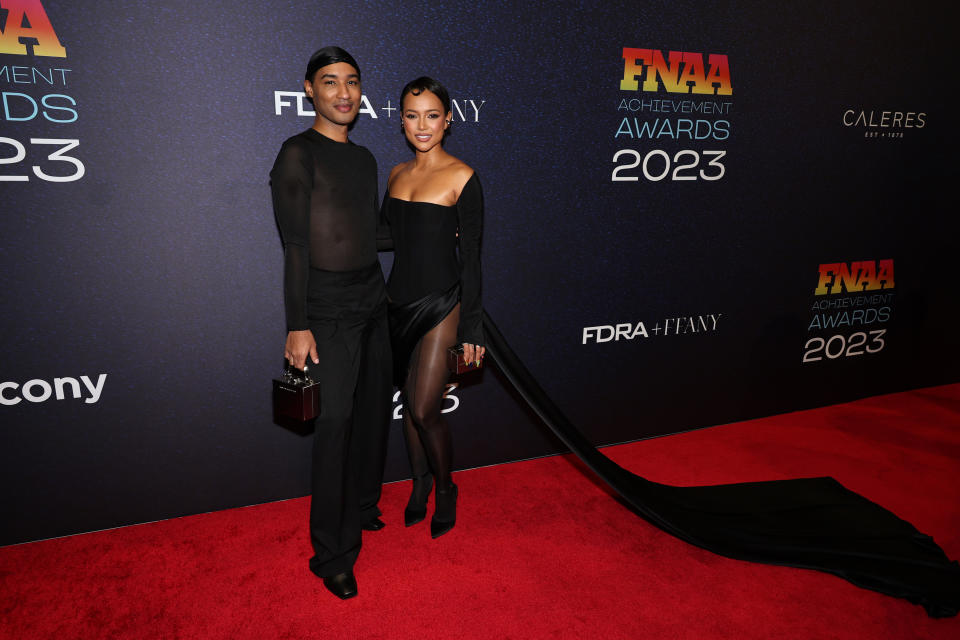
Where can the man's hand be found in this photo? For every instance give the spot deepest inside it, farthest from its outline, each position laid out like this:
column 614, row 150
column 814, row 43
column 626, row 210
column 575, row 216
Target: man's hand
column 300, row 344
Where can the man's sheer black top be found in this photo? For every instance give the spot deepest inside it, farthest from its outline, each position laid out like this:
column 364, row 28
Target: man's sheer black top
column 325, row 200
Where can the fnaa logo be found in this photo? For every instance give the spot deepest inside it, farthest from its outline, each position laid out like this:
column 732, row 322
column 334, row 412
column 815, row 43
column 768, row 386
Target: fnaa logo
column 866, row 275
column 679, row 72
column 27, row 23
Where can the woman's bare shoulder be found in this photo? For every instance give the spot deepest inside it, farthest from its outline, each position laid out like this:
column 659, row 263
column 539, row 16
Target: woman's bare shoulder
column 459, row 173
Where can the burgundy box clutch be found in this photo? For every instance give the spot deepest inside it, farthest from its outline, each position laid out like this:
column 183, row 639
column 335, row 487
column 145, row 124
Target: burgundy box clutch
column 455, row 361
column 296, row 395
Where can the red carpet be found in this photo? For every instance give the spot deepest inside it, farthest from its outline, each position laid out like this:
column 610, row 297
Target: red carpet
column 539, row 551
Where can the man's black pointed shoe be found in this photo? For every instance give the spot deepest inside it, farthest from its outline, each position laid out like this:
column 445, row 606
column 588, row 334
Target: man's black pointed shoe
column 343, row 585
column 373, row 525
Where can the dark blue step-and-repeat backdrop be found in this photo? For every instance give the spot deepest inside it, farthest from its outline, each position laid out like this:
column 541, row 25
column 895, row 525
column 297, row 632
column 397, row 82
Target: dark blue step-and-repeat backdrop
column 695, row 214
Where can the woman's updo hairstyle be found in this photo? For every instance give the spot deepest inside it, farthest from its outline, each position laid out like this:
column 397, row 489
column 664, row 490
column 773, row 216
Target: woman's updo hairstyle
column 423, row 83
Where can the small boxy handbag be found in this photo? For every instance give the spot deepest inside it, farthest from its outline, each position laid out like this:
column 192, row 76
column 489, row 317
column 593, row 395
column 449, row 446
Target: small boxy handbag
column 296, row 395
column 455, row 363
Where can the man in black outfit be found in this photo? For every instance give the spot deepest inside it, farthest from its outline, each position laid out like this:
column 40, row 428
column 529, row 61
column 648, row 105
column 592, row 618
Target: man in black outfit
column 325, row 198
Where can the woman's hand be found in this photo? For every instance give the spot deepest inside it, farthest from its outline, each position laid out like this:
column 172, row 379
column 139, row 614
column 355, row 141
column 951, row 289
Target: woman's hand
column 473, row 353
column 300, row 344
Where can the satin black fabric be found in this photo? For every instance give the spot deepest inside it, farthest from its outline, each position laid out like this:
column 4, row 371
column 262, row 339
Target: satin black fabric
column 811, row 523
column 412, row 320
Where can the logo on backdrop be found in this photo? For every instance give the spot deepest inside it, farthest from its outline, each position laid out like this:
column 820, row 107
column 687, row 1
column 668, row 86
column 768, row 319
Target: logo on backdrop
column 35, row 82
column 26, row 25
column 66, row 388
column 674, row 99
column 463, row 109
column 853, row 301
column 878, row 123
column 454, row 402
column 675, row 326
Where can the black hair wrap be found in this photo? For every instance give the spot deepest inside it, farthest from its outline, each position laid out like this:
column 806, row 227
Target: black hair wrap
column 329, row 55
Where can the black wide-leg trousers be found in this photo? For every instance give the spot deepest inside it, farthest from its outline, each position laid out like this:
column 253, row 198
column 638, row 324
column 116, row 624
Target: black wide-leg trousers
column 347, row 315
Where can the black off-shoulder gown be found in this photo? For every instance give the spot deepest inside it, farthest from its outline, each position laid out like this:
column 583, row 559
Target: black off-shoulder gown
column 436, row 264
column 811, row 523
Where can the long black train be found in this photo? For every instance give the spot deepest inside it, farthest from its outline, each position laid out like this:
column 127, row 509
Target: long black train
column 810, row 523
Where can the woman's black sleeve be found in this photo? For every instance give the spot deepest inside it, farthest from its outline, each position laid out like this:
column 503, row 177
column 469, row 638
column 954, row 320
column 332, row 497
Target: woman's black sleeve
column 291, row 181
column 470, row 220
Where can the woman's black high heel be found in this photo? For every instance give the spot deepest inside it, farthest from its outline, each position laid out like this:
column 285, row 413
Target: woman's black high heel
column 445, row 515
column 416, row 509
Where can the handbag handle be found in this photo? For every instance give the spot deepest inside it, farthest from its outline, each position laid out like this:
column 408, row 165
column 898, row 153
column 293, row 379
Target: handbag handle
column 295, row 376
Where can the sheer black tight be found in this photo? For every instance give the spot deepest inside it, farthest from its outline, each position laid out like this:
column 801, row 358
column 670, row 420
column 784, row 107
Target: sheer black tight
column 427, row 434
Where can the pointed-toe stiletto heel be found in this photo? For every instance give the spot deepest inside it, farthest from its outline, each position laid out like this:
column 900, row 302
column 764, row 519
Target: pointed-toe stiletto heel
column 445, row 515
column 416, row 509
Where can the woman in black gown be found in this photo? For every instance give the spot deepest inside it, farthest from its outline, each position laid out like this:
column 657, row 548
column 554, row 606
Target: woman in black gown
column 434, row 210
column 813, row 523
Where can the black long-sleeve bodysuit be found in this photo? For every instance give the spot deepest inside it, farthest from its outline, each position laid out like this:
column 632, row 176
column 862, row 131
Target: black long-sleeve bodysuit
column 325, row 201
